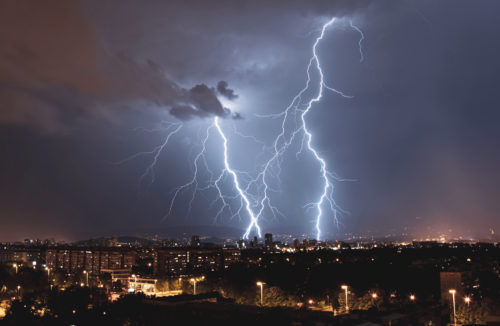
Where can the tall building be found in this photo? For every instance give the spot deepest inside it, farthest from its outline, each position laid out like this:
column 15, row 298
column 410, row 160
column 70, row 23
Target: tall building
column 195, row 241
column 268, row 239
column 254, row 242
column 449, row 281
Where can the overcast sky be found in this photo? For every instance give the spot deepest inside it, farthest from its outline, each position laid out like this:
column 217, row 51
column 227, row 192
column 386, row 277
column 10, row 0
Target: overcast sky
column 81, row 81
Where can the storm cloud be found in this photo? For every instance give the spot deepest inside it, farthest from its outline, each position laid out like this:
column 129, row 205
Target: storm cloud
column 225, row 91
column 200, row 101
column 62, row 75
column 420, row 134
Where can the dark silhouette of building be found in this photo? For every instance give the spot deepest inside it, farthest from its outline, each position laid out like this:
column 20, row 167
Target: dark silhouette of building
column 268, row 239
column 450, row 281
column 195, row 241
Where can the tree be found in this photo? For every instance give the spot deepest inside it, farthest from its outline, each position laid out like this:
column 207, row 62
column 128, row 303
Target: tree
column 275, row 297
column 474, row 313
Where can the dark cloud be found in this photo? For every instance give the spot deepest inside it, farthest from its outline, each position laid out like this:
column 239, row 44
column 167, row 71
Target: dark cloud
column 200, row 101
column 61, row 75
column 236, row 116
column 226, row 92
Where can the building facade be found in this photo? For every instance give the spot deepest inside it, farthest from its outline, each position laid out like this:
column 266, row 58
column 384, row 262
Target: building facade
column 189, row 261
column 92, row 260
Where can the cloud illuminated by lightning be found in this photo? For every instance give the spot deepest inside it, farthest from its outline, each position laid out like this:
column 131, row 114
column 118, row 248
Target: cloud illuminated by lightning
column 253, row 192
column 242, row 195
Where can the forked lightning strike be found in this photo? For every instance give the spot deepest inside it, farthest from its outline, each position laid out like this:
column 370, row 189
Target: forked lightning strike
column 253, row 193
column 242, row 194
column 298, row 109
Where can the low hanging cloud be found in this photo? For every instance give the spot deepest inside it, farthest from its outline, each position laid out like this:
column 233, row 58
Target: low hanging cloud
column 201, row 101
column 226, row 92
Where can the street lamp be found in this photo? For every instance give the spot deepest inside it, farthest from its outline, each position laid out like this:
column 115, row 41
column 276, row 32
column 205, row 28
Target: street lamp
column 452, row 292
column 374, row 295
column 194, row 280
column 16, row 267
column 135, row 282
column 345, row 287
column 467, row 301
column 261, row 284
column 194, row 285
column 412, row 297
column 18, row 291
column 87, row 276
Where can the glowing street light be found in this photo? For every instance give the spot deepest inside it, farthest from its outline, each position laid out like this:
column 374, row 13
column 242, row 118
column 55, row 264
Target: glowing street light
column 467, row 301
column 18, row 291
column 345, row 287
column 16, row 267
column 374, row 296
column 194, row 285
column 87, row 275
column 135, row 281
column 412, row 297
column 194, row 280
column 261, row 284
column 453, row 292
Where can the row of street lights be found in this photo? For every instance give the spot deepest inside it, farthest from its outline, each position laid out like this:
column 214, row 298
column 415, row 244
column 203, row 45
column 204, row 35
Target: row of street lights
column 343, row 287
column 374, row 296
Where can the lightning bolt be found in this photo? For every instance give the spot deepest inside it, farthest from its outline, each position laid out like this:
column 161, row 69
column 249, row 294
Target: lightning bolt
column 241, row 192
column 217, row 183
column 294, row 124
column 326, row 195
column 200, row 166
column 172, row 129
column 193, row 183
column 254, row 193
column 362, row 37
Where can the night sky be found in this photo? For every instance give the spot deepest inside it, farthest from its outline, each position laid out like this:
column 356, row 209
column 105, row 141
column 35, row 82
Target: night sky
column 86, row 84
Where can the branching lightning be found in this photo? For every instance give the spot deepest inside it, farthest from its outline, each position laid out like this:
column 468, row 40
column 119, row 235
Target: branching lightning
column 298, row 110
column 253, row 193
column 199, row 162
column 241, row 192
column 193, row 183
column 172, row 129
column 362, row 57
